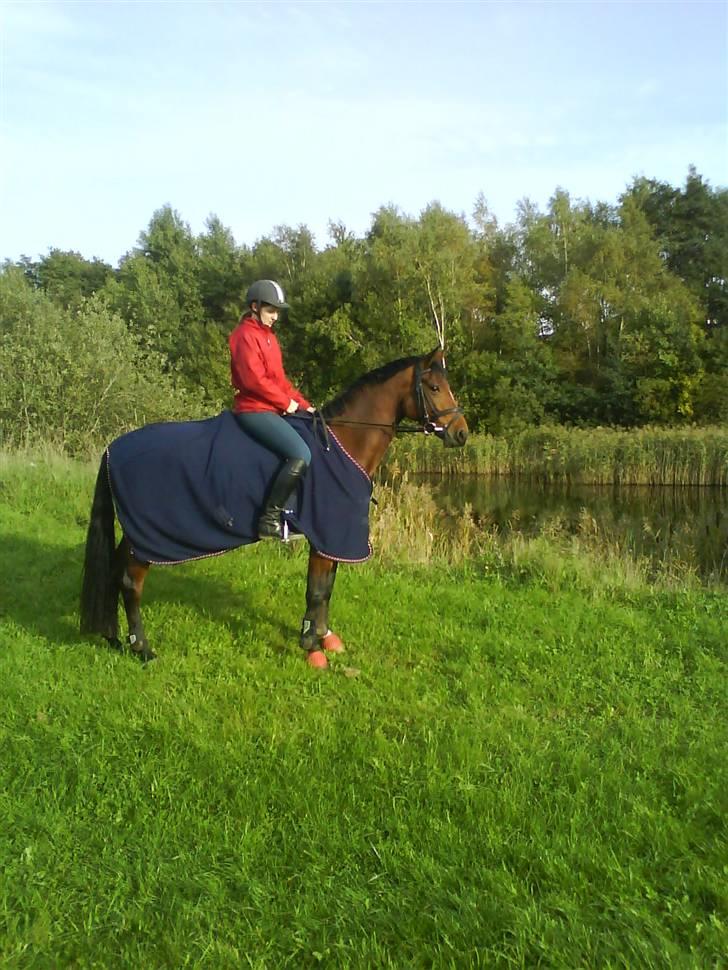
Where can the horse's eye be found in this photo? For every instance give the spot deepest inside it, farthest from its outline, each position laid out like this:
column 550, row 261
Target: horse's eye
column 434, row 388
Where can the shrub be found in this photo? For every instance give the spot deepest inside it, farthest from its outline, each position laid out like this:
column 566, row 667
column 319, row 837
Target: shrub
column 76, row 378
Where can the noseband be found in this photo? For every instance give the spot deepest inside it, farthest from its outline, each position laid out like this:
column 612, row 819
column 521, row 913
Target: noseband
column 427, row 413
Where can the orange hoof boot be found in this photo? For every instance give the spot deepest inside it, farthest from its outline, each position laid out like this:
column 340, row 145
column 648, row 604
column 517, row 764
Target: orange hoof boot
column 331, row 643
column 317, row 658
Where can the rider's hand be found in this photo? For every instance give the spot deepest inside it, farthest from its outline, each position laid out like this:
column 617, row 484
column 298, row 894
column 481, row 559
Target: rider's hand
column 311, row 410
column 292, row 406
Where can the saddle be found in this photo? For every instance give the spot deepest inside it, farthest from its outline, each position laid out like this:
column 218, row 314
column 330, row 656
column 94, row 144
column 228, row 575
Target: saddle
column 186, row 490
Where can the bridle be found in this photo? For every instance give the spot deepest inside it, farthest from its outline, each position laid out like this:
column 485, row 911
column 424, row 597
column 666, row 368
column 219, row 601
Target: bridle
column 428, row 415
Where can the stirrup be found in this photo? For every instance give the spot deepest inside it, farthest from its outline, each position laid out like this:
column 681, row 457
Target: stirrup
column 288, row 535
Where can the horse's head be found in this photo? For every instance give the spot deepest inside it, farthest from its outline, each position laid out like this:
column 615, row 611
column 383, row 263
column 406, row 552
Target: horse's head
column 433, row 404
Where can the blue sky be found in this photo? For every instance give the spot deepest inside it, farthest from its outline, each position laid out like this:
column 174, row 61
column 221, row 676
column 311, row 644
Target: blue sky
column 301, row 112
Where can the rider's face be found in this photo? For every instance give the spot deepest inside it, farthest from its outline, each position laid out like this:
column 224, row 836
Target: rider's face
column 266, row 313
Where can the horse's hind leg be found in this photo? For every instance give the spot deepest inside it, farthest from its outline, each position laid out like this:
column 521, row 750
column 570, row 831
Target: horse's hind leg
column 132, row 575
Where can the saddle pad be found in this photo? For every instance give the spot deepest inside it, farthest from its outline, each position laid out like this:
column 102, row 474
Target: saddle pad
column 186, row 490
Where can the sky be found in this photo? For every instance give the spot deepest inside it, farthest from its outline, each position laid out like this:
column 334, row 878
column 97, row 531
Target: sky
column 290, row 113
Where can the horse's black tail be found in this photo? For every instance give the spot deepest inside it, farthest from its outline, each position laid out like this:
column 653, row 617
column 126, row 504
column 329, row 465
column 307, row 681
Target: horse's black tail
column 100, row 589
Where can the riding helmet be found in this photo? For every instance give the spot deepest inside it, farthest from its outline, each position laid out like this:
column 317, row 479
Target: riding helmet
column 266, row 291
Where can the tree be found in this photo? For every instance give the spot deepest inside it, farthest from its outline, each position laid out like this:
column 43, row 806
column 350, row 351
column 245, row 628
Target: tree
column 445, row 259
column 383, row 282
column 421, row 280
column 66, row 276
column 298, row 250
column 508, row 382
column 221, row 274
column 691, row 225
column 159, row 293
column 623, row 328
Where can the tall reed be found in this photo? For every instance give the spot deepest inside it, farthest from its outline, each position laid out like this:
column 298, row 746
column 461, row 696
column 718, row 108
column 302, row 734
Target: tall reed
column 596, row 456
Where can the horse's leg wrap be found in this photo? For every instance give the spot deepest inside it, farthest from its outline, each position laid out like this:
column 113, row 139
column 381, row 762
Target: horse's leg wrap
column 315, row 625
column 309, row 639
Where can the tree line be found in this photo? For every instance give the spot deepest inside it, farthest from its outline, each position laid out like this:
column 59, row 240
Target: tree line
column 584, row 314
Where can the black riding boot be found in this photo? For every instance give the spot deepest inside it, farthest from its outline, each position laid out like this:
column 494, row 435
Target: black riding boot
column 290, row 474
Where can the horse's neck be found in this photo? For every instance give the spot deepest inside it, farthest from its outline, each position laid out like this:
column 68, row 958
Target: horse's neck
column 377, row 410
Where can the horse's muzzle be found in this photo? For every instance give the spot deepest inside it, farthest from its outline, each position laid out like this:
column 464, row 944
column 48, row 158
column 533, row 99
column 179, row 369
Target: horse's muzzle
column 455, row 437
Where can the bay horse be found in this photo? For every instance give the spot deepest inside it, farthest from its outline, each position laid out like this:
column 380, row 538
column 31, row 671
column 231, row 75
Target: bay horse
column 366, row 417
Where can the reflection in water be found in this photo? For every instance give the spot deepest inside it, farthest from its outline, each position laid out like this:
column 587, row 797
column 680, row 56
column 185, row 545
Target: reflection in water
column 661, row 522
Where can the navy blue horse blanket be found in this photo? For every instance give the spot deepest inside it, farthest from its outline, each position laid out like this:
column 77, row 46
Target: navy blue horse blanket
column 186, row 490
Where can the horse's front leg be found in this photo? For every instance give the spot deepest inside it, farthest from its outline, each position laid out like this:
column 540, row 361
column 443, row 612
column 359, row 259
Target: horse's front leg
column 315, row 634
column 132, row 574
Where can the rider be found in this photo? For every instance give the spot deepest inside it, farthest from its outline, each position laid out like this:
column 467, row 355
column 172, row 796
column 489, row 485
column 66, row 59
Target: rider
column 263, row 394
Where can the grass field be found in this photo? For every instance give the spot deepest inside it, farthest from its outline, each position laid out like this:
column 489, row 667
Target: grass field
column 529, row 770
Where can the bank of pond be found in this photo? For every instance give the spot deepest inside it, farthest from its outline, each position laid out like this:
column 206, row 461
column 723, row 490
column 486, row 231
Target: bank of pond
column 656, row 499
column 676, row 527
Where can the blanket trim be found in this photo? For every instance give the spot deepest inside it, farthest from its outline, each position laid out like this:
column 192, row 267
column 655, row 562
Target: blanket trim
column 339, row 559
column 351, row 459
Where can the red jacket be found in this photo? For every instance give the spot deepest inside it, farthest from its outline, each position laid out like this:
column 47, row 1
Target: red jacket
column 256, row 367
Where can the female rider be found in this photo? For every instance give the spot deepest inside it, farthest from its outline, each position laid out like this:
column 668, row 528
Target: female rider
column 263, row 394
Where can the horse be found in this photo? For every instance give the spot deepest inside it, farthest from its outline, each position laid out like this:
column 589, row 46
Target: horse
column 364, row 420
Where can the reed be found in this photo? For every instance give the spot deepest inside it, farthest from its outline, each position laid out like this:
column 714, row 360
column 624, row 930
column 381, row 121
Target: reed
column 596, row 456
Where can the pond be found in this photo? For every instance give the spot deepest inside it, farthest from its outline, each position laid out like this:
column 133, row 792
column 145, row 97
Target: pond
column 662, row 522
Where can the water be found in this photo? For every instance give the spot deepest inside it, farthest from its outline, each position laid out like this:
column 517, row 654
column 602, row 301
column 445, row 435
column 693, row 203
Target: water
column 688, row 524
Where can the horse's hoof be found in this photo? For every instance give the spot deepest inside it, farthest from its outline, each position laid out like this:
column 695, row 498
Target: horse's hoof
column 115, row 644
column 140, row 648
column 332, row 644
column 317, row 659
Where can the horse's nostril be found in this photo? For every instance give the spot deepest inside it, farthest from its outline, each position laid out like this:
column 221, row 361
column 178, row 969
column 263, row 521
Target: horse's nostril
column 461, row 436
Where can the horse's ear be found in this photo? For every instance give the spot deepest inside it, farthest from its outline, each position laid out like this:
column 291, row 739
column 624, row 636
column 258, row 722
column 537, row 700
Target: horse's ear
column 436, row 357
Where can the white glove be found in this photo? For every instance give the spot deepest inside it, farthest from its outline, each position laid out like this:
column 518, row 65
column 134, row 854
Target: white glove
column 292, row 406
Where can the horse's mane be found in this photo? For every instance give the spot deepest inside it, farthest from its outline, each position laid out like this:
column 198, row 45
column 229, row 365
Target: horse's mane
column 378, row 376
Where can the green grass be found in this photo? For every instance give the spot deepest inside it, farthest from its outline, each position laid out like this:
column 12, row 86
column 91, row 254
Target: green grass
column 528, row 771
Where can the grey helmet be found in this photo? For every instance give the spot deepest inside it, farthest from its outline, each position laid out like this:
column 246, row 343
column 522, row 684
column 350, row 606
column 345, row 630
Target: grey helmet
column 266, row 291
